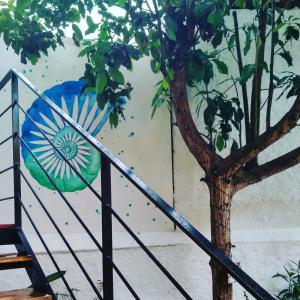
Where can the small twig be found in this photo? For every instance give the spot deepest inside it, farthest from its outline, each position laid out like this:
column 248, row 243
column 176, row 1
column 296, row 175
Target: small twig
column 271, row 86
column 244, row 85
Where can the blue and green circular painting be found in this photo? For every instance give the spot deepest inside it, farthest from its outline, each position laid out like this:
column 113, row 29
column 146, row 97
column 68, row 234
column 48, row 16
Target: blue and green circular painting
column 83, row 157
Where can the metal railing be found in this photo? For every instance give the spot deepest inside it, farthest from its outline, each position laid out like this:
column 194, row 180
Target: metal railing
column 108, row 213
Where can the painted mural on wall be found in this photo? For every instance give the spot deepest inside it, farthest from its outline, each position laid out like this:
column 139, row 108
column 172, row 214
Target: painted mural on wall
column 83, row 108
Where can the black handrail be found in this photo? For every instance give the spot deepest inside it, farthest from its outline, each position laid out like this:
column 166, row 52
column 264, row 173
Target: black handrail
column 239, row 275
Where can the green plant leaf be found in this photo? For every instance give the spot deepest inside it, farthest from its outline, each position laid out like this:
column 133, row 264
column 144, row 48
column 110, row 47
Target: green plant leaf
column 116, row 75
column 247, row 43
column 241, row 3
column 101, row 82
column 247, row 73
column 234, row 146
column 92, row 27
column 222, row 67
column 220, row 143
column 215, row 18
column 77, row 31
column 55, row 276
column 114, row 119
column 287, row 57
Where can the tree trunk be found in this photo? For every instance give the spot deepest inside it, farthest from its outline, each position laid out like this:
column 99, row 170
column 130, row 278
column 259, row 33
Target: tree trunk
column 220, row 204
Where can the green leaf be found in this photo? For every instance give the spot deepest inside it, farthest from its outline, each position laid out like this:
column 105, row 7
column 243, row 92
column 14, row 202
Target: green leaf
column 85, row 51
column 55, row 276
column 171, row 23
column 215, row 18
column 266, row 67
column 74, row 15
column 202, row 8
column 234, row 147
column 165, row 84
column 81, row 9
column 170, row 73
column 247, row 73
column 171, row 28
column 101, row 82
column 287, row 57
column 255, row 3
column 92, row 26
column 114, row 119
column 278, row 27
column 157, row 101
column 222, row 67
column 220, row 143
column 77, row 31
column 247, row 43
column 116, row 75
column 241, row 3
column 231, row 41
column 171, row 34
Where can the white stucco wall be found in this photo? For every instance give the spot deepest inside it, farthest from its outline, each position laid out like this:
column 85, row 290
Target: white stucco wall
column 265, row 217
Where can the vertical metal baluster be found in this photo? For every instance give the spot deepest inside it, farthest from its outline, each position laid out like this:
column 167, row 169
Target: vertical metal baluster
column 16, row 149
column 106, row 228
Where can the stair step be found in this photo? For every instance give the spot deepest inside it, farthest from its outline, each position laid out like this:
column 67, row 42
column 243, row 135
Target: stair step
column 9, row 235
column 24, row 295
column 5, row 226
column 15, row 262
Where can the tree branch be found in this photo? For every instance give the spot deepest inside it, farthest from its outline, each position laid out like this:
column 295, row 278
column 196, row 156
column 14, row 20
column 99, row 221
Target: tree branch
column 267, row 169
column 244, row 85
column 271, row 85
column 257, row 77
column 232, row 163
column 163, row 67
column 193, row 139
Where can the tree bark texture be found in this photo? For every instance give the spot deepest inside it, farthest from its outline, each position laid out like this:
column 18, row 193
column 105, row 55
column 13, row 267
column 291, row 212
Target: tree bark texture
column 220, row 205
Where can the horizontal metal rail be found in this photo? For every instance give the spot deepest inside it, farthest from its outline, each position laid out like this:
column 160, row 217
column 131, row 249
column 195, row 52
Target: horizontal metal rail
column 48, row 251
column 6, row 170
column 5, row 140
column 62, row 236
column 5, row 80
column 6, row 110
column 7, row 198
column 239, row 275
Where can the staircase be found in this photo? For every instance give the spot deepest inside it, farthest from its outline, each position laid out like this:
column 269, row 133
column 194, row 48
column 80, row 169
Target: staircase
column 12, row 234
column 23, row 258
